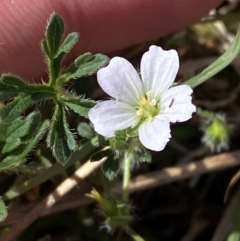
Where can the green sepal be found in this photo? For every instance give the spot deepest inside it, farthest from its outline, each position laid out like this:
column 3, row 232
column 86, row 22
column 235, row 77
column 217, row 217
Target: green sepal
column 86, row 64
column 85, row 130
column 78, row 105
column 3, row 210
column 54, row 34
column 60, row 138
column 67, row 45
column 18, row 155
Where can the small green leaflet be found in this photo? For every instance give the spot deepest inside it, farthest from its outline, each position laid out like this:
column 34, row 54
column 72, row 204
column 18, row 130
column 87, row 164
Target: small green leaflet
column 67, row 45
column 84, row 65
column 80, row 106
column 19, row 128
column 85, row 130
column 3, row 210
column 18, row 155
column 60, row 138
column 54, row 34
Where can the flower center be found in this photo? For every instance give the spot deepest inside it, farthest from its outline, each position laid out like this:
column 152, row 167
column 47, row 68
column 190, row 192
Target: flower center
column 148, row 107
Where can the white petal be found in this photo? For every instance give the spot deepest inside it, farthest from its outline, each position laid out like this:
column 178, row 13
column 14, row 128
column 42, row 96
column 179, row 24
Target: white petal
column 109, row 116
column 158, row 70
column 177, row 105
column 155, row 134
column 121, row 81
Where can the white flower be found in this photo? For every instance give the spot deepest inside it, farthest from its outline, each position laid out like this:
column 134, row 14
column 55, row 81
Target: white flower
column 145, row 102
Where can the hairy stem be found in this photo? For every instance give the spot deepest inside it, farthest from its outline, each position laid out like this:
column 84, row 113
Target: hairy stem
column 126, row 176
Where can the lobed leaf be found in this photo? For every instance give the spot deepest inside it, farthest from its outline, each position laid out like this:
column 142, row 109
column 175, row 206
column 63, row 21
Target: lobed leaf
column 54, row 34
column 19, row 154
column 86, row 64
column 60, row 139
column 14, row 109
column 80, row 106
column 18, row 85
column 18, row 129
column 7, row 92
column 67, row 45
column 85, row 130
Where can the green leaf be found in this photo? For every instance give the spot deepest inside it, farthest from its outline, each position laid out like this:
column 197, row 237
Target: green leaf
column 18, row 155
column 18, row 129
column 7, row 92
column 3, row 210
column 85, row 130
column 14, row 81
column 3, row 130
column 80, row 106
column 111, row 167
column 80, row 154
column 67, row 45
column 11, row 145
column 18, row 85
column 60, row 139
column 14, row 109
column 54, row 33
column 86, row 64
column 223, row 61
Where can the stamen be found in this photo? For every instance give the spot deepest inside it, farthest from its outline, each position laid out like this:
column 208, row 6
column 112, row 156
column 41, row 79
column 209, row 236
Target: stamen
column 139, row 112
column 148, row 107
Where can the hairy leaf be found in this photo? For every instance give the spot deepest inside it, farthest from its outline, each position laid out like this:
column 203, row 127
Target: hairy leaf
column 14, row 109
column 3, row 130
column 54, row 33
column 67, row 45
column 86, row 64
column 85, row 130
column 7, row 92
column 80, row 106
column 18, row 85
column 18, row 129
column 60, row 139
column 18, row 155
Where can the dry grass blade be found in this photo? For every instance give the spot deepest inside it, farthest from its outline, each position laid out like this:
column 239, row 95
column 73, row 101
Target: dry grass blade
column 42, row 208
